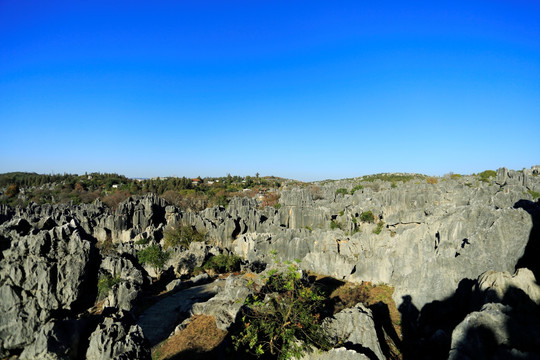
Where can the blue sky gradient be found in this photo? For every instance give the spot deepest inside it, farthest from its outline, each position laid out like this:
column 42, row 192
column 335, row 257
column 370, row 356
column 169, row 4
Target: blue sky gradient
column 306, row 89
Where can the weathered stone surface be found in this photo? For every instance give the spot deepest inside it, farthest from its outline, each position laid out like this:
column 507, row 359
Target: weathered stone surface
column 118, row 338
column 178, row 284
column 340, row 353
column 355, row 329
column 227, row 303
column 160, row 319
column 185, row 261
column 496, row 332
column 501, row 286
column 40, row 274
column 58, row 339
column 433, row 235
column 506, row 323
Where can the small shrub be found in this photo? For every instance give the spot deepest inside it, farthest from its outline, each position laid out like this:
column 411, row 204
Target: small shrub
column 271, row 199
column 356, row 188
column 334, row 225
column 379, row 228
column 341, row 191
column 105, row 284
column 153, row 256
column 535, row 195
column 143, row 241
column 367, row 216
column 341, row 212
column 486, row 175
column 12, row 190
column 431, row 180
column 223, row 263
column 181, row 236
column 115, row 198
column 392, row 177
column 455, row 176
column 107, row 246
column 393, row 185
column 283, row 319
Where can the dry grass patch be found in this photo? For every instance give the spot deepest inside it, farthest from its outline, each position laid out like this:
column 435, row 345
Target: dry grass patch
column 379, row 299
column 196, row 341
column 350, row 294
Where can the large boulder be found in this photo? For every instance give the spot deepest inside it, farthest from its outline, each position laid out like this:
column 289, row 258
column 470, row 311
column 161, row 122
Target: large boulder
column 57, row 339
column 507, row 325
column 227, row 303
column 41, row 275
column 118, row 337
column 355, row 329
column 497, row 331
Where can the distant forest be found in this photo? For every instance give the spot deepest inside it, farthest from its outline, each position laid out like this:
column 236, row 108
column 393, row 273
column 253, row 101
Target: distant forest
column 21, row 188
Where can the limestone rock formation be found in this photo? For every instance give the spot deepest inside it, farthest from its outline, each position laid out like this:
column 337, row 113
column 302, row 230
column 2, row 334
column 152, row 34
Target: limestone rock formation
column 227, row 303
column 507, row 326
column 57, row 339
column 41, row 274
column 117, row 338
column 355, row 329
column 447, row 246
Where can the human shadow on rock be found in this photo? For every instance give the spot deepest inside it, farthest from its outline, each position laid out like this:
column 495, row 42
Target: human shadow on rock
column 427, row 333
column 507, row 326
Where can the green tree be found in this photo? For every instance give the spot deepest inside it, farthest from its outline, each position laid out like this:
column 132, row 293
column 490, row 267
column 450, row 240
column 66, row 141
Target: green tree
column 283, row 319
column 181, row 236
column 153, row 256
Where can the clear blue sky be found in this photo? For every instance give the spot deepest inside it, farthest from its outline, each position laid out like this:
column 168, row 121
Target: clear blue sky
column 300, row 89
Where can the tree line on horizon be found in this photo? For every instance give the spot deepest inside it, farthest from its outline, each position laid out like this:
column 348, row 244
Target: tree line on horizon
column 20, row 188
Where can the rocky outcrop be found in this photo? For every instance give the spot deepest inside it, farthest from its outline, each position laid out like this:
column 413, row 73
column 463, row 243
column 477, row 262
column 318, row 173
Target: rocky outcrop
column 185, row 261
column 507, row 325
column 227, row 303
column 425, row 239
column 431, row 235
column 41, row 275
column 355, row 329
column 160, row 319
column 57, row 339
column 118, row 337
column 340, row 353
column 131, row 280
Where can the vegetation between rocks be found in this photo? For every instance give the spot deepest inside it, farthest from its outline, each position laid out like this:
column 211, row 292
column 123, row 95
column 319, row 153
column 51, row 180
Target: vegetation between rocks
column 105, row 284
column 153, row 256
column 181, row 236
column 283, row 318
column 223, row 263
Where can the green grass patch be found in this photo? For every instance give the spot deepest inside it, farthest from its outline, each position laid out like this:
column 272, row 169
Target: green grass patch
column 367, row 216
column 356, row 188
column 535, row 195
column 379, row 228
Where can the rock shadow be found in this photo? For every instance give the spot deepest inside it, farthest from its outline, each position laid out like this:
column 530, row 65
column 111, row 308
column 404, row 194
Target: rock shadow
column 531, row 255
column 506, row 327
column 427, row 333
